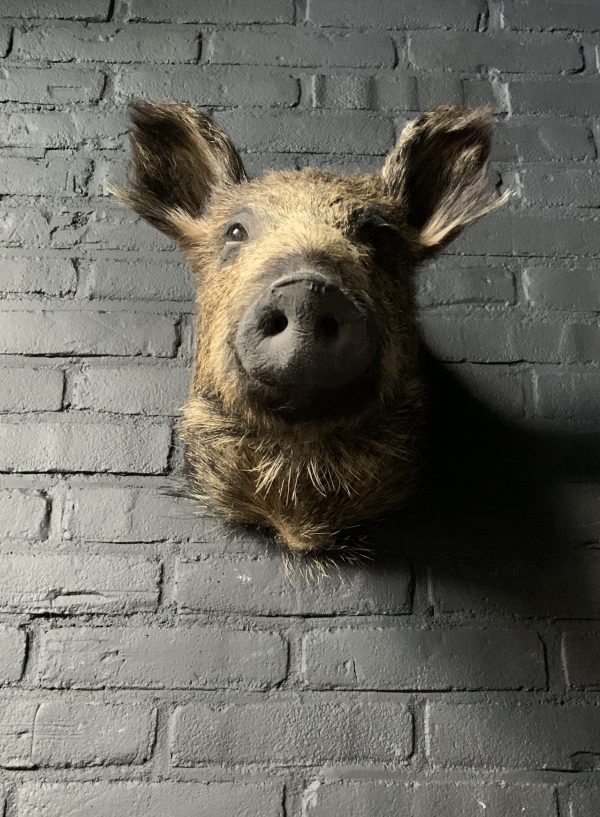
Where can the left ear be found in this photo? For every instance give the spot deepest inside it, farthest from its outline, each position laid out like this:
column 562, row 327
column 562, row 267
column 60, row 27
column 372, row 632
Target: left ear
column 437, row 172
column 180, row 157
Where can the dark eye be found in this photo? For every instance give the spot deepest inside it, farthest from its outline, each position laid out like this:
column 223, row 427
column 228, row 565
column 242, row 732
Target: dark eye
column 237, row 232
column 383, row 238
column 375, row 230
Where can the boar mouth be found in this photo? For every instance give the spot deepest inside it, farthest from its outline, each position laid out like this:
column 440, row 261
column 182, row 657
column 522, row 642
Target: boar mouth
column 302, row 402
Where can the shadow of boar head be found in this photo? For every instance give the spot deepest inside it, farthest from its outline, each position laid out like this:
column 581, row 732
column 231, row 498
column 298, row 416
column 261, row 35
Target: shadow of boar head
column 305, row 405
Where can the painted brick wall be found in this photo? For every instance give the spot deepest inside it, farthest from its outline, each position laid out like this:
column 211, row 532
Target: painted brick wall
column 150, row 666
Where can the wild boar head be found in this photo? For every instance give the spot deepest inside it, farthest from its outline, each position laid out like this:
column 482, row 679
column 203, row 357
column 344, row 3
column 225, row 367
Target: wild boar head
column 305, row 406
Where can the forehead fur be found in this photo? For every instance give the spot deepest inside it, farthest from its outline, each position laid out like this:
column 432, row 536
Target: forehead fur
column 313, row 192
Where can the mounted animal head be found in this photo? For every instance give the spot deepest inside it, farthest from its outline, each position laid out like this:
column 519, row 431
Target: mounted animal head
column 306, row 316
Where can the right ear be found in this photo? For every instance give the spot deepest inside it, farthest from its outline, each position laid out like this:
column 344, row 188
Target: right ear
column 437, row 174
column 179, row 156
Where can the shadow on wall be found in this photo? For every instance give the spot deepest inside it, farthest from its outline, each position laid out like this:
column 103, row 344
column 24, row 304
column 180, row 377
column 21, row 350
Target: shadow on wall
column 489, row 533
column 491, row 526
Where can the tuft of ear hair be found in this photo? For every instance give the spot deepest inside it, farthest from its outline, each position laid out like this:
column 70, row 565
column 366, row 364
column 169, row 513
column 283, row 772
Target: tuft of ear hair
column 437, row 172
column 179, row 156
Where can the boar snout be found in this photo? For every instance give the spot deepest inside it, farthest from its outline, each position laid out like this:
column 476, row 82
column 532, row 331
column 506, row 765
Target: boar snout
column 303, row 333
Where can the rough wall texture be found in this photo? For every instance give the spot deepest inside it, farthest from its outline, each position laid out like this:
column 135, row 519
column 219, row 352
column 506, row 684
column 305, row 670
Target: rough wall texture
column 151, row 666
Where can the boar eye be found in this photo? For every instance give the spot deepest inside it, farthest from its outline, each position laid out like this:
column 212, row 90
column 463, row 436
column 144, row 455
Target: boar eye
column 375, row 230
column 383, row 239
column 237, row 233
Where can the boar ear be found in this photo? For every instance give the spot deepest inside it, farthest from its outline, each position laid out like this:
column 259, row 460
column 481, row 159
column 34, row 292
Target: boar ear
column 179, row 156
column 438, row 174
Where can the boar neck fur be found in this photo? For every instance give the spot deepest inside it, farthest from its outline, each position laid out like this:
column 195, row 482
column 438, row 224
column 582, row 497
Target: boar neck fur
column 306, row 483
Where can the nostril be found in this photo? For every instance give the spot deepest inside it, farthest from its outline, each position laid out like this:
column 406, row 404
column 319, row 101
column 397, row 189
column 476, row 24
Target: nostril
column 328, row 327
column 275, row 323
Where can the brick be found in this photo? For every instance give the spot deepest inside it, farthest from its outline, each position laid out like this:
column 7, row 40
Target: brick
column 516, row 736
column 525, row 233
column 63, row 583
column 212, row 11
column 109, row 229
column 12, row 649
column 110, row 169
column 579, row 502
column 16, row 732
column 291, row 45
column 23, row 514
column 90, row 444
column 473, row 337
column 56, row 9
column 545, row 140
column 149, row 390
column 583, row 800
column 37, row 276
column 208, row 85
column 106, row 43
column 578, row 15
column 338, row 164
column 469, row 280
column 320, row 131
column 358, row 91
column 576, row 97
column 191, row 658
column 60, row 130
column 86, row 332
column 550, row 185
column 350, row 91
column 50, row 86
column 139, row 279
column 33, row 177
column 471, row 51
column 565, row 585
column 5, row 33
column 69, row 733
column 500, row 388
column 574, row 286
column 125, row 514
column 391, row 93
column 583, row 343
column 258, row 586
column 492, row 93
column 31, row 389
column 24, row 227
column 291, row 731
column 397, row 659
column 546, row 341
column 427, row 799
column 581, row 660
column 574, row 395
column 440, row 89
column 396, row 13
column 234, row 799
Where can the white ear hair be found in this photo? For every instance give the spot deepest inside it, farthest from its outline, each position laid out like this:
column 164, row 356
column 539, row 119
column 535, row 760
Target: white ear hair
column 437, row 173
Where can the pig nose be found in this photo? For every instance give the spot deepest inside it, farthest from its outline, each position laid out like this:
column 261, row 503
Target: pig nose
column 303, row 333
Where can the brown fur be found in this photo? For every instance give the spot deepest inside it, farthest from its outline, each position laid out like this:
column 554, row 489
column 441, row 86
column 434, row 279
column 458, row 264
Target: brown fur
column 306, row 480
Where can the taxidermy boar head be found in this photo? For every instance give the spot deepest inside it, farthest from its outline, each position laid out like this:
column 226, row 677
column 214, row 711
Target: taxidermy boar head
column 305, row 406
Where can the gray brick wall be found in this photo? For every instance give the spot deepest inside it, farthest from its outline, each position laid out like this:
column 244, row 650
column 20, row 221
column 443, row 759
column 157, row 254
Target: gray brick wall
column 153, row 665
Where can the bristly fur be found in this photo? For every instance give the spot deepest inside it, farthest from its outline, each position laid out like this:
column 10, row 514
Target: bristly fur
column 308, row 481
column 308, row 494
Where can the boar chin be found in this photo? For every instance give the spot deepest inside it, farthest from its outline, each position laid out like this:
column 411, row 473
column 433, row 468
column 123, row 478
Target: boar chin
column 308, row 403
